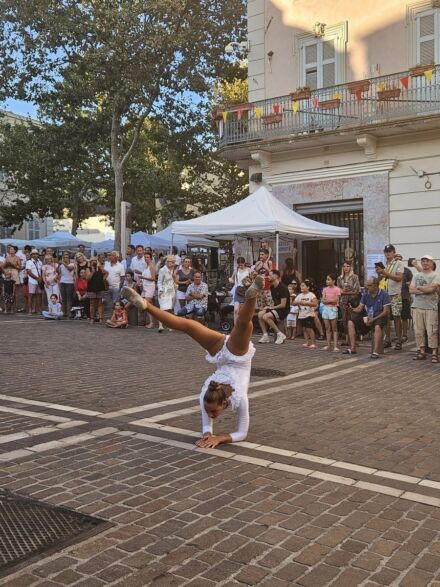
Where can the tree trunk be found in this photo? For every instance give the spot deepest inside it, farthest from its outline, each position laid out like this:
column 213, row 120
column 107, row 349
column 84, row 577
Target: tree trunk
column 118, row 171
column 119, row 193
column 75, row 214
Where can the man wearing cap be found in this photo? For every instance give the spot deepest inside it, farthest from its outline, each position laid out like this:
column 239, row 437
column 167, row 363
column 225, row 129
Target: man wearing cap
column 424, row 287
column 34, row 272
column 393, row 276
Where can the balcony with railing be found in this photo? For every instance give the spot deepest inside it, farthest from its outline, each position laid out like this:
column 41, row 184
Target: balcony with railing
column 364, row 104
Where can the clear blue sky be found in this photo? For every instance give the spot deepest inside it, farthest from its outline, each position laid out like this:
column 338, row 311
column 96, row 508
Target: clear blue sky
column 20, row 107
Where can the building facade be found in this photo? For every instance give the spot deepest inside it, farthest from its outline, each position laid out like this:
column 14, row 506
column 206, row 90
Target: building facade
column 343, row 122
column 31, row 229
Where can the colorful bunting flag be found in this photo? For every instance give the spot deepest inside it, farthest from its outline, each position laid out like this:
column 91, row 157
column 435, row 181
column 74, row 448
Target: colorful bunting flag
column 225, row 116
column 239, row 114
column 258, row 112
column 315, row 102
column 381, row 86
column 336, row 96
column 276, row 108
column 295, row 106
column 405, row 81
column 358, row 95
column 428, row 75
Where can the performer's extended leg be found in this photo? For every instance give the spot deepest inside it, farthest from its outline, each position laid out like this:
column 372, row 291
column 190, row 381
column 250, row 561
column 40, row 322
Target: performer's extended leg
column 210, row 340
column 238, row 341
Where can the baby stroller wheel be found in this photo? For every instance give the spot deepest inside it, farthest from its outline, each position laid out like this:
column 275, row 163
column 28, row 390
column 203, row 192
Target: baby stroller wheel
column 225, row 326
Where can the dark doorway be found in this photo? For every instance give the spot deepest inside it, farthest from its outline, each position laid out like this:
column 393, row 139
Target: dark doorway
column 326, row 256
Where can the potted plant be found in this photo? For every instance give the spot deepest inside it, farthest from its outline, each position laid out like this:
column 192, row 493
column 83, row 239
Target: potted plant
column 362, row 85
column 330, row 104
column 419, row 70
column 388, row 93
column 271, row 118
column 302, row 93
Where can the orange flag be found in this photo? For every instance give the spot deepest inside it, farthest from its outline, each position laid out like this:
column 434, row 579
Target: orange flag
column 405, row 81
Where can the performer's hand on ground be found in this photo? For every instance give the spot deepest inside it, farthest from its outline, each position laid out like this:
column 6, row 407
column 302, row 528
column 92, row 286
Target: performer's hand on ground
column 208, row 442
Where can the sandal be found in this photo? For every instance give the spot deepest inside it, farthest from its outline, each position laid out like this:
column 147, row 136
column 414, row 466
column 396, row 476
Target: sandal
column 349, row 352
column 434, row 359
column 398, row 346
column 419, row 356
column 374, row 356
column 404, row 339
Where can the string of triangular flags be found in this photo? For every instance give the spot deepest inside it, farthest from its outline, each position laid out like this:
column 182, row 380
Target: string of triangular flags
column 381, row 86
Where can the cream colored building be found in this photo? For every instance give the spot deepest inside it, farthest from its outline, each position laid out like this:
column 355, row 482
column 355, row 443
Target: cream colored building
column 31, row 229
column 365, row 155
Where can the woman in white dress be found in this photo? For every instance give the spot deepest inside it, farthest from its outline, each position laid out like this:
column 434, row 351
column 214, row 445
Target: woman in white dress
column 166, row 288
column 148, row 280
column 228, row 385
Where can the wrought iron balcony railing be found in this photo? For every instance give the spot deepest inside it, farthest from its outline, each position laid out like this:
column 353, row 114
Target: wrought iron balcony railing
column 365, row 103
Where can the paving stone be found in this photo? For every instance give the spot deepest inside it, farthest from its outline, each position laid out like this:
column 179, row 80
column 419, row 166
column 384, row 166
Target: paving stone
column 312, row 555
column 251, row 575
column 320, row 575
column 416, row 578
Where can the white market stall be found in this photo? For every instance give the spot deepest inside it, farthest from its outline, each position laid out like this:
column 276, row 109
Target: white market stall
column 182, row 241
column 259, row 215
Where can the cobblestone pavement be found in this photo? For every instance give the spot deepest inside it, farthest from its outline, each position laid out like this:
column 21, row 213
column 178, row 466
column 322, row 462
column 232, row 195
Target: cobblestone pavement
column 337, row 484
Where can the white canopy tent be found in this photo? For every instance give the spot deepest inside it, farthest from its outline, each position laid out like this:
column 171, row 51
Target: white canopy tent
column 259, row 215
column 183, row 241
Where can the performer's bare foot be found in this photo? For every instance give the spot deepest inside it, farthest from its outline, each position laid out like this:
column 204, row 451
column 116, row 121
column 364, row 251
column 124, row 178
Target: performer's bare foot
column 134, row 298
column 254, row 290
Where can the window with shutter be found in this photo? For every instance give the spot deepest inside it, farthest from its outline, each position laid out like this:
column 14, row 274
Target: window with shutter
column 426, row 36
column 321, row 61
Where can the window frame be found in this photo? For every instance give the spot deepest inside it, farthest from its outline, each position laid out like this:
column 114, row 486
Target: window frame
column 414, row 11
column 339, row 34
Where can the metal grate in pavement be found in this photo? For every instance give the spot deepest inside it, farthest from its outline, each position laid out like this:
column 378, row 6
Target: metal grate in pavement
column 257, row 372
column 29, row 528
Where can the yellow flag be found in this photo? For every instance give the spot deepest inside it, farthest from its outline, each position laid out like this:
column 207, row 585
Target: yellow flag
column 428, row 75
column 225, row 116
column 258, row 112
column 336, row 96
column 295, row 105
column 381, row 86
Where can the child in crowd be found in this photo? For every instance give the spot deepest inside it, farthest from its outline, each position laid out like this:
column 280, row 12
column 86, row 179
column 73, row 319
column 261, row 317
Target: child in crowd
column 293, row 314
column 8, row 291
column 307, row 302
column 80, row 299
column 119, row 317
column 54, row 311
column 331, row 295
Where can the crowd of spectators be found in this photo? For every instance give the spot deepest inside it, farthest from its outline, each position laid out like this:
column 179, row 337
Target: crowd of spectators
column 340, row 311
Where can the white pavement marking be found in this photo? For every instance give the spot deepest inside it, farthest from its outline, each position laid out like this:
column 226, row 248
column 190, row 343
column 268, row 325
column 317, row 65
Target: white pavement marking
column 39, row 415
column 59, row 407
column 39, row 431
column 304, row 457
column 262, row 393
column 54, row 444
column 376, row 488
column 188, row 398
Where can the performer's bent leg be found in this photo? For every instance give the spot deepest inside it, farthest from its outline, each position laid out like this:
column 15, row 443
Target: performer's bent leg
column 210, row 340
column 238, row 341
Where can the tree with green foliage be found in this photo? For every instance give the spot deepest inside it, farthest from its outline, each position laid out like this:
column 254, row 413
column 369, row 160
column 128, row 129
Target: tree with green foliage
column 51, row 169
column 123, row 60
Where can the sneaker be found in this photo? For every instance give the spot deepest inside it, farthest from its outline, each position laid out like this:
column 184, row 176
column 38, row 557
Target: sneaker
column 281, row 337
column 255, row 288
column 160, row 329
column 264, row 339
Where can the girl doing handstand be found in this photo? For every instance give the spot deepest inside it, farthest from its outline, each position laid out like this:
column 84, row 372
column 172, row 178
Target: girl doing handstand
column 228, row 385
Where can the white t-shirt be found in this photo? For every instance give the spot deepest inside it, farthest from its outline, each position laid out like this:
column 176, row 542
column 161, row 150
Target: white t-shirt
column 66, row 273
column 35, row 267
column 115, row 273
column 138, row 265
column 305, row 311
column 395, row 268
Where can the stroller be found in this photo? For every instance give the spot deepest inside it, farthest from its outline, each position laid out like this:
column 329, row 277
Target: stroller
column 220, row 309
column 78, row 312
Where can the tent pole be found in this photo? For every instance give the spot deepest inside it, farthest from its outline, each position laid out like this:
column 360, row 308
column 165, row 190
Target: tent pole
column 277, row 248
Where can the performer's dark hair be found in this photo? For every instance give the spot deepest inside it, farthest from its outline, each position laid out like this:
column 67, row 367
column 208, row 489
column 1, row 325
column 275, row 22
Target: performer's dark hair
column 215, row 394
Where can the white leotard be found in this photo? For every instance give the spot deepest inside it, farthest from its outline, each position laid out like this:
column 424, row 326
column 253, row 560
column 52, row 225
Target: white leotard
column 236, row 372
